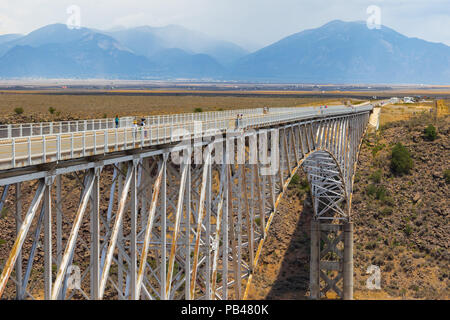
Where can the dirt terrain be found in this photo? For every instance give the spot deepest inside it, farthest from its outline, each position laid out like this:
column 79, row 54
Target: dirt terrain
column 283, row 269
column 406, row 232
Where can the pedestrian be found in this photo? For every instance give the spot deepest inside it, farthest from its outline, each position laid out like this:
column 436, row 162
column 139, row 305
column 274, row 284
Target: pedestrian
column 143, row 127
column 241, row 120
column 135, row 129
column 117, row 121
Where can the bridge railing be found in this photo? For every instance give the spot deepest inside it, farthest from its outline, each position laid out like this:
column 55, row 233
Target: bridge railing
column 8, row 131
column 198, row 116
column 209, row 116
column 33, row 150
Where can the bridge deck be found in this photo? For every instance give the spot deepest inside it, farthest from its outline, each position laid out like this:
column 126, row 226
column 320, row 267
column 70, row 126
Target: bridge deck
column 31, row 150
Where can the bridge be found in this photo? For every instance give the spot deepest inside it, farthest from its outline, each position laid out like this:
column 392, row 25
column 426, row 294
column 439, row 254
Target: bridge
column 178, row 208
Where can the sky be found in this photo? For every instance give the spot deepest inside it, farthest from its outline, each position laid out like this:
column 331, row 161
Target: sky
column 250, row 23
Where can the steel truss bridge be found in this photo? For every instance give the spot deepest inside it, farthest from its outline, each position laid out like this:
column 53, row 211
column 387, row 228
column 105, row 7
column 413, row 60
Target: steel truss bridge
column 177, row 209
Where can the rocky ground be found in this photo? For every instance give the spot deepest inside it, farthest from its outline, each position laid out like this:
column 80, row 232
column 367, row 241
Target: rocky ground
column 406, row 232
column 283, row 270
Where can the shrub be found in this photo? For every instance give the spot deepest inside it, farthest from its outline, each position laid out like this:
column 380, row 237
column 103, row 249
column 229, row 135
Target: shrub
column 51, row 110
column 304, row 185
column 389, row 201
column 295, row 181
column 376, row 176
column 447, row 176
column 371, row 190
column 198, row 110
column 430, row 133
column 387, row 211
column 408, row 229
column 301, row 186
column 4, row 212
column 378, row 147
column 371, row 245
column 401, row 161
column 414, row 287
column 18, row 110
column 381, row 193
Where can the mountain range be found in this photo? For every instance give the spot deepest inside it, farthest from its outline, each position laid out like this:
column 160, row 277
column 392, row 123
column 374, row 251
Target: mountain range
column 338, row 52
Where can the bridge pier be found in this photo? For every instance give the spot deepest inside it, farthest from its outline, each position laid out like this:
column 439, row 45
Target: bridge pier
column 331, row 264
column 348, row 261
column 314, row 270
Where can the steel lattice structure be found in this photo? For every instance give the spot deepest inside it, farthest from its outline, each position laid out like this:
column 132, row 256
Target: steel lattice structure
column 183, row 219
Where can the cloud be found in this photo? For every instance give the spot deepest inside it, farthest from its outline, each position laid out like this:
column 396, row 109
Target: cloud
column 141, row 18
column 251, row 23
column 7, row 25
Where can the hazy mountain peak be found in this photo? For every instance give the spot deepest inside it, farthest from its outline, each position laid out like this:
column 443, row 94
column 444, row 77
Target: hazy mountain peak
column 54, row 33
column 339, row 52
column 348, row 52
column 148, row 40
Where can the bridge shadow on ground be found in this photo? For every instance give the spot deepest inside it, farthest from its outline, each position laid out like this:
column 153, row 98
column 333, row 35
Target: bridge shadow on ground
column 292, row 282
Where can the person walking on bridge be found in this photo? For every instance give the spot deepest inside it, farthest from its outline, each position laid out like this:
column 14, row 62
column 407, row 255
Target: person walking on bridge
column 117, row 121
column 135, row 129
column 143, row 127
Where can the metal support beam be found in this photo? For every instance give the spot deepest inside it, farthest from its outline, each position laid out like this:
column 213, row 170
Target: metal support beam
column 48, row 239
column 18, row 216
column 14, row 254
column 95, row 237
column 133, row 233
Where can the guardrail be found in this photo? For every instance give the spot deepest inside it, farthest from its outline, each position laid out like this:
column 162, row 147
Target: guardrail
column 18, row 130
column 208, row 116
column 33, row 150
column 8, row 131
